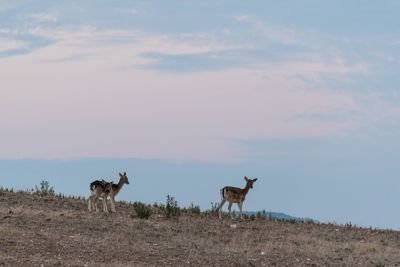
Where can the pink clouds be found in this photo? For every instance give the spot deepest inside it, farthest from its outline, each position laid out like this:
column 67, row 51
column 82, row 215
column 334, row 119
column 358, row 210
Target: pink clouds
column 9, row 44
column 94, row 108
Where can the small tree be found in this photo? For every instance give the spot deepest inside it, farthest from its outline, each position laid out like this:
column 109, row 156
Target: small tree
column 171, row 208
column 45, row 189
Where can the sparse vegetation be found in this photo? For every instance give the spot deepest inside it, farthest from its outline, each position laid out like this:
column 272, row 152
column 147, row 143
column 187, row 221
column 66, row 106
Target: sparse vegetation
column 263, row 215
column 45, row 189
column 171, row 207
column 142, row 210
column 194, row 209
column 214, row 208
column 72, row 237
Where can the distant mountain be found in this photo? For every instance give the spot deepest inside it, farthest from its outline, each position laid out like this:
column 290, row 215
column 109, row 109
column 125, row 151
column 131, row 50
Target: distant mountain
column 278, row 216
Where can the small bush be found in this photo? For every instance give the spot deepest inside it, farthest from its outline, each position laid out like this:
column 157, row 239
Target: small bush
column 171, row 208
column 214, row 208
column 348, row 225
column 142, row 210
column 45, row 189
column 262, row 215
column 194, row 209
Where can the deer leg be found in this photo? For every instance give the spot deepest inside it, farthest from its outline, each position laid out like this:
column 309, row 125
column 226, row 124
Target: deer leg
column 220, row 208
column 94, row 197
column 240, row 208
column 90, row 204
column 95, row 206
column 92, row 200
column 112, row 199
column 229, row 208
column 105, row 208
column 96, row 203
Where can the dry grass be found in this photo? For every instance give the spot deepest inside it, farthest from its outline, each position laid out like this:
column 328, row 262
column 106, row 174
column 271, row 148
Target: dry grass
column 53, row 231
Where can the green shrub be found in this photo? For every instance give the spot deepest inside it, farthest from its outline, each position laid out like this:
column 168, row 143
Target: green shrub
column 45, row 189
column 194, row 209
column 214, row 208
column 171, row 208
column 142, row 210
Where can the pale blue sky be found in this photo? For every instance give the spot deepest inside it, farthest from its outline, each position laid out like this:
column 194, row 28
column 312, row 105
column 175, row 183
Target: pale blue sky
column 188, row 96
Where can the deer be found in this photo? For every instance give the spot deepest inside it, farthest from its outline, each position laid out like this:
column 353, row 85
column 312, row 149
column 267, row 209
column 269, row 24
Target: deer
column 235, row 195
column 99, row 189
column 115, row 188
column 104, row 190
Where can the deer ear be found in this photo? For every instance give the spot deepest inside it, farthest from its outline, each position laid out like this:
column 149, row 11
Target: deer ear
column 255, row 179
column 120, row 174
column 124, row 173
column 246, row 178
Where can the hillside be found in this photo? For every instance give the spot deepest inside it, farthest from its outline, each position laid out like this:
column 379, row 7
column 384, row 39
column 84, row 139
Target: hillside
column 53, row 231
column 278, row 216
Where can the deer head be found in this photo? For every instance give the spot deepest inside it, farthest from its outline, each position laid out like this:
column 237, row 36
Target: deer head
column 123, row 178
column 249, row 182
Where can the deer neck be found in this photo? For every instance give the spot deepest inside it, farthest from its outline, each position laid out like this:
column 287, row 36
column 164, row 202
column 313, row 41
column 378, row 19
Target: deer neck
column 119, row 186
column 245, row 190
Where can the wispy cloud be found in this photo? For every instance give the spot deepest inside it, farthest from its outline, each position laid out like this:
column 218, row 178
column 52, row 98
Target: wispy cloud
column 215, row 60
column 184, row 107
column 269, row 31
column 251, row 79
column 128, row 11
column 24, row 44
column 10, row 44
column 72, row 57
column 265, row 97
column 396, row 43
column 43, row 17
column 241, row 17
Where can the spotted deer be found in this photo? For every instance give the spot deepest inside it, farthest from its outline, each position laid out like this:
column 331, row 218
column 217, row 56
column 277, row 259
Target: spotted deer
column 235, row 195
column 103, row 189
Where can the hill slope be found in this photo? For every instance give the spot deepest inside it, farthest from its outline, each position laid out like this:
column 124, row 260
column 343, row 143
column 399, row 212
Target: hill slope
column 53, row 231
column 278, row 216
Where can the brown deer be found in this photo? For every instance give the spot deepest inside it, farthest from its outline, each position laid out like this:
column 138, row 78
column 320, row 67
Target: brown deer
column 103, row 189
column 235, row 195
column 115, row 188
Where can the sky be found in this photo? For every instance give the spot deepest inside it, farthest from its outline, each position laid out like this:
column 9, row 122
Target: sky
column 190, row 96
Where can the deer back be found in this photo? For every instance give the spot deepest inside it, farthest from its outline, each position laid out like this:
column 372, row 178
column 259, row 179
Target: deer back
column 233, row 194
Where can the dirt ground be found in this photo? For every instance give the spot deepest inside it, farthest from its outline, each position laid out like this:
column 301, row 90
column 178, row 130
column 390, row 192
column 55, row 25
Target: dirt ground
column 52, row 231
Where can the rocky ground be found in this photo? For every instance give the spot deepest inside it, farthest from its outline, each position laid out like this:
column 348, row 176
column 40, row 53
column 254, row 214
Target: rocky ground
column 55, row 231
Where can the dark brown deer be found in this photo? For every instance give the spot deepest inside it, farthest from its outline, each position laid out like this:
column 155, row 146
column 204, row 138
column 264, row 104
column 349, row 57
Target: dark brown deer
column 99, row 189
